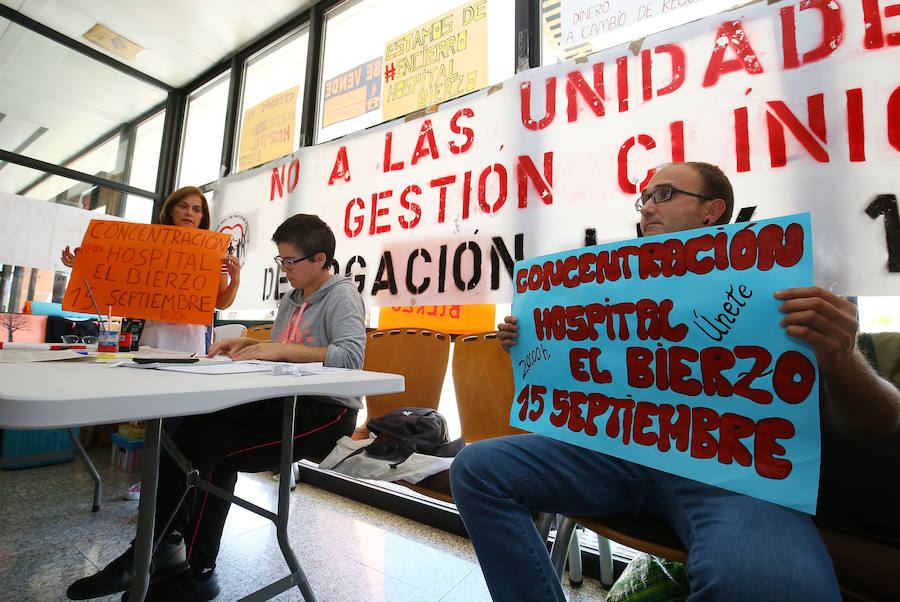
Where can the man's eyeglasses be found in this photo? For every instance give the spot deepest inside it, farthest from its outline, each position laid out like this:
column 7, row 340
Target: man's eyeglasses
column 288, row 264
column 661, row 194
column 74, row 338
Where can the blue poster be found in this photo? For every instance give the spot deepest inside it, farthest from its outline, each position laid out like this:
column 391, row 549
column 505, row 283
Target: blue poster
column 667, row 351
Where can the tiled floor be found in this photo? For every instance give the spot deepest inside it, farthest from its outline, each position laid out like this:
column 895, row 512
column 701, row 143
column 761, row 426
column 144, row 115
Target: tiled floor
column 349, row 551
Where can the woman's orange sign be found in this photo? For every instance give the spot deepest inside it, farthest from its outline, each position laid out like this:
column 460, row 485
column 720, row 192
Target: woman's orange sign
column 147, row 271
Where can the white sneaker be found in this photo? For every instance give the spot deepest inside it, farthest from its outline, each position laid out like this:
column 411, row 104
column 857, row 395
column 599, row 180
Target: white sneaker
column 133, row 493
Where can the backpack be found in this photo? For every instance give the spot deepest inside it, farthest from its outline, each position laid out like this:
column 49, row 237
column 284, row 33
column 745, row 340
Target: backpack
column 411, row 430
column 57, row 326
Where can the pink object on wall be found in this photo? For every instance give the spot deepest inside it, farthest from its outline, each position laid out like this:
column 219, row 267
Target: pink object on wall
column 27, row 328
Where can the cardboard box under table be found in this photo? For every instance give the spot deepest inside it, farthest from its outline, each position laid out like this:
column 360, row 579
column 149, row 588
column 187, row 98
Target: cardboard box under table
column 126, row 453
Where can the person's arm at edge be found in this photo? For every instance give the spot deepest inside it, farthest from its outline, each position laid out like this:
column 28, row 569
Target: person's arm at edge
column 859, row 401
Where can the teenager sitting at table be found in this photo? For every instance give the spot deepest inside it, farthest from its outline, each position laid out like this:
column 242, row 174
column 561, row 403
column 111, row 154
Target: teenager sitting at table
column 321, row 320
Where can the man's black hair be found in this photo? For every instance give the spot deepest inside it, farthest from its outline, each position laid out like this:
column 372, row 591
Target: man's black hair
column 308, row 233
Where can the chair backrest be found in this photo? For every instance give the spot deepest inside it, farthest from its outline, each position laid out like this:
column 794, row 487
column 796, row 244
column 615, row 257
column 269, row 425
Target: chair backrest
column 641, row 532
column 483, row 380
column 226, row 331
column 263, row 332
column 419, row 354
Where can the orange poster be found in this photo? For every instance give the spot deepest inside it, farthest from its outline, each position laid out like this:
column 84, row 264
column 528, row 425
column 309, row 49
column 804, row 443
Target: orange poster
column 449, row 319
column 147, row 271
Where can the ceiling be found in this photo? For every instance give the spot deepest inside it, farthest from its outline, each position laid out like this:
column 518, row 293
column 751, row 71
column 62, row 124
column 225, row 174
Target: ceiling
column 55, row 101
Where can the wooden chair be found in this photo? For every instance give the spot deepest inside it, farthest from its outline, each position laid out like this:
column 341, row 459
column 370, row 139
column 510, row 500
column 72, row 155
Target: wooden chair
column 226, row 331
column 483, row 382
column 642, row 533
column 419, row 354
column 263, row 332
column 865, row 568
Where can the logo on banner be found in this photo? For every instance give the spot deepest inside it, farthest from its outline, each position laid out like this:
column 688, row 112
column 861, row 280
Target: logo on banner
column 236, row 226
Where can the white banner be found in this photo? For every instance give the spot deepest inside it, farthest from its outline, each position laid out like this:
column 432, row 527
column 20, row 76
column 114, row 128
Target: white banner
column 34, row 233
column 798, row 103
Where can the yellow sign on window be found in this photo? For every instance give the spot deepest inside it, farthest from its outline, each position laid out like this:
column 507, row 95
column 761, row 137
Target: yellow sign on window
column 439, row 60
column 267, row 131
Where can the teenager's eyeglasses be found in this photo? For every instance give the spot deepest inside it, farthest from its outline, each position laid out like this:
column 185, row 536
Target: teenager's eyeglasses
column 662, row 194
column 74, row 338
column 288, row 264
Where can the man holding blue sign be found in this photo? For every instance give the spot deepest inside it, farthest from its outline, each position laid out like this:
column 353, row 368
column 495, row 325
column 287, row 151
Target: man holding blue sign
column 743, row 418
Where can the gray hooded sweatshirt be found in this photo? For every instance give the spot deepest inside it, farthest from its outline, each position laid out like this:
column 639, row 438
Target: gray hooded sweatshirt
column 332, row 317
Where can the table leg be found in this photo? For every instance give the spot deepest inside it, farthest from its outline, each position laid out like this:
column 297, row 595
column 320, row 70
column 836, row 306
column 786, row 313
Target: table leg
column 143, row 541
column 284, row 497
column 98, row 483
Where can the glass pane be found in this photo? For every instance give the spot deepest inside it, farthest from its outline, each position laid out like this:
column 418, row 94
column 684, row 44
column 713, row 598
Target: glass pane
column 270, row 75
column 32, row 183
column 879, row 314
column 19, row 284
column 147, row 143
column 138, row 209
column 201, row 149
column 107, row 160
column 356, row 33
column 56, row 102
column 57, row 189
column 574, row 28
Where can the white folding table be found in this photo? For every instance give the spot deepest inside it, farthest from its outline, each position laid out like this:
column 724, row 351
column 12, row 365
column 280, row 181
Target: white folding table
column 61, row 394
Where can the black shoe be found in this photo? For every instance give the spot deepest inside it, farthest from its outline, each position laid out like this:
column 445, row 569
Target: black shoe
column 169, row 560
column 186, row 587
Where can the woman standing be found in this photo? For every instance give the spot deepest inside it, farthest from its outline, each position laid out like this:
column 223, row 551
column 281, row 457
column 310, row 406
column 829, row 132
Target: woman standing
column 186, row 207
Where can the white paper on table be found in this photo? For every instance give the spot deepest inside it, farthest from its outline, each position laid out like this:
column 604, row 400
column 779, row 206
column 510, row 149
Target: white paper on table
column 36, row 355
column 304, row 369
column 213, row 368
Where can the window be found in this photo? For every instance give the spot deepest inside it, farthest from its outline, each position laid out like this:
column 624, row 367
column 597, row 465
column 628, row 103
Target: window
column 40, row 185
column 82, row 194
column 145, row 159
column 879, row 314
column 356, row 34
column 138, row 209
column 201, row 148
column 20, row 284
column 271, row 72
column 57, row 102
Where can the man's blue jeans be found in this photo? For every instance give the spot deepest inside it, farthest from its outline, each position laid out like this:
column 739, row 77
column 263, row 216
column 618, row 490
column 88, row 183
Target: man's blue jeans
column 739, row 548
